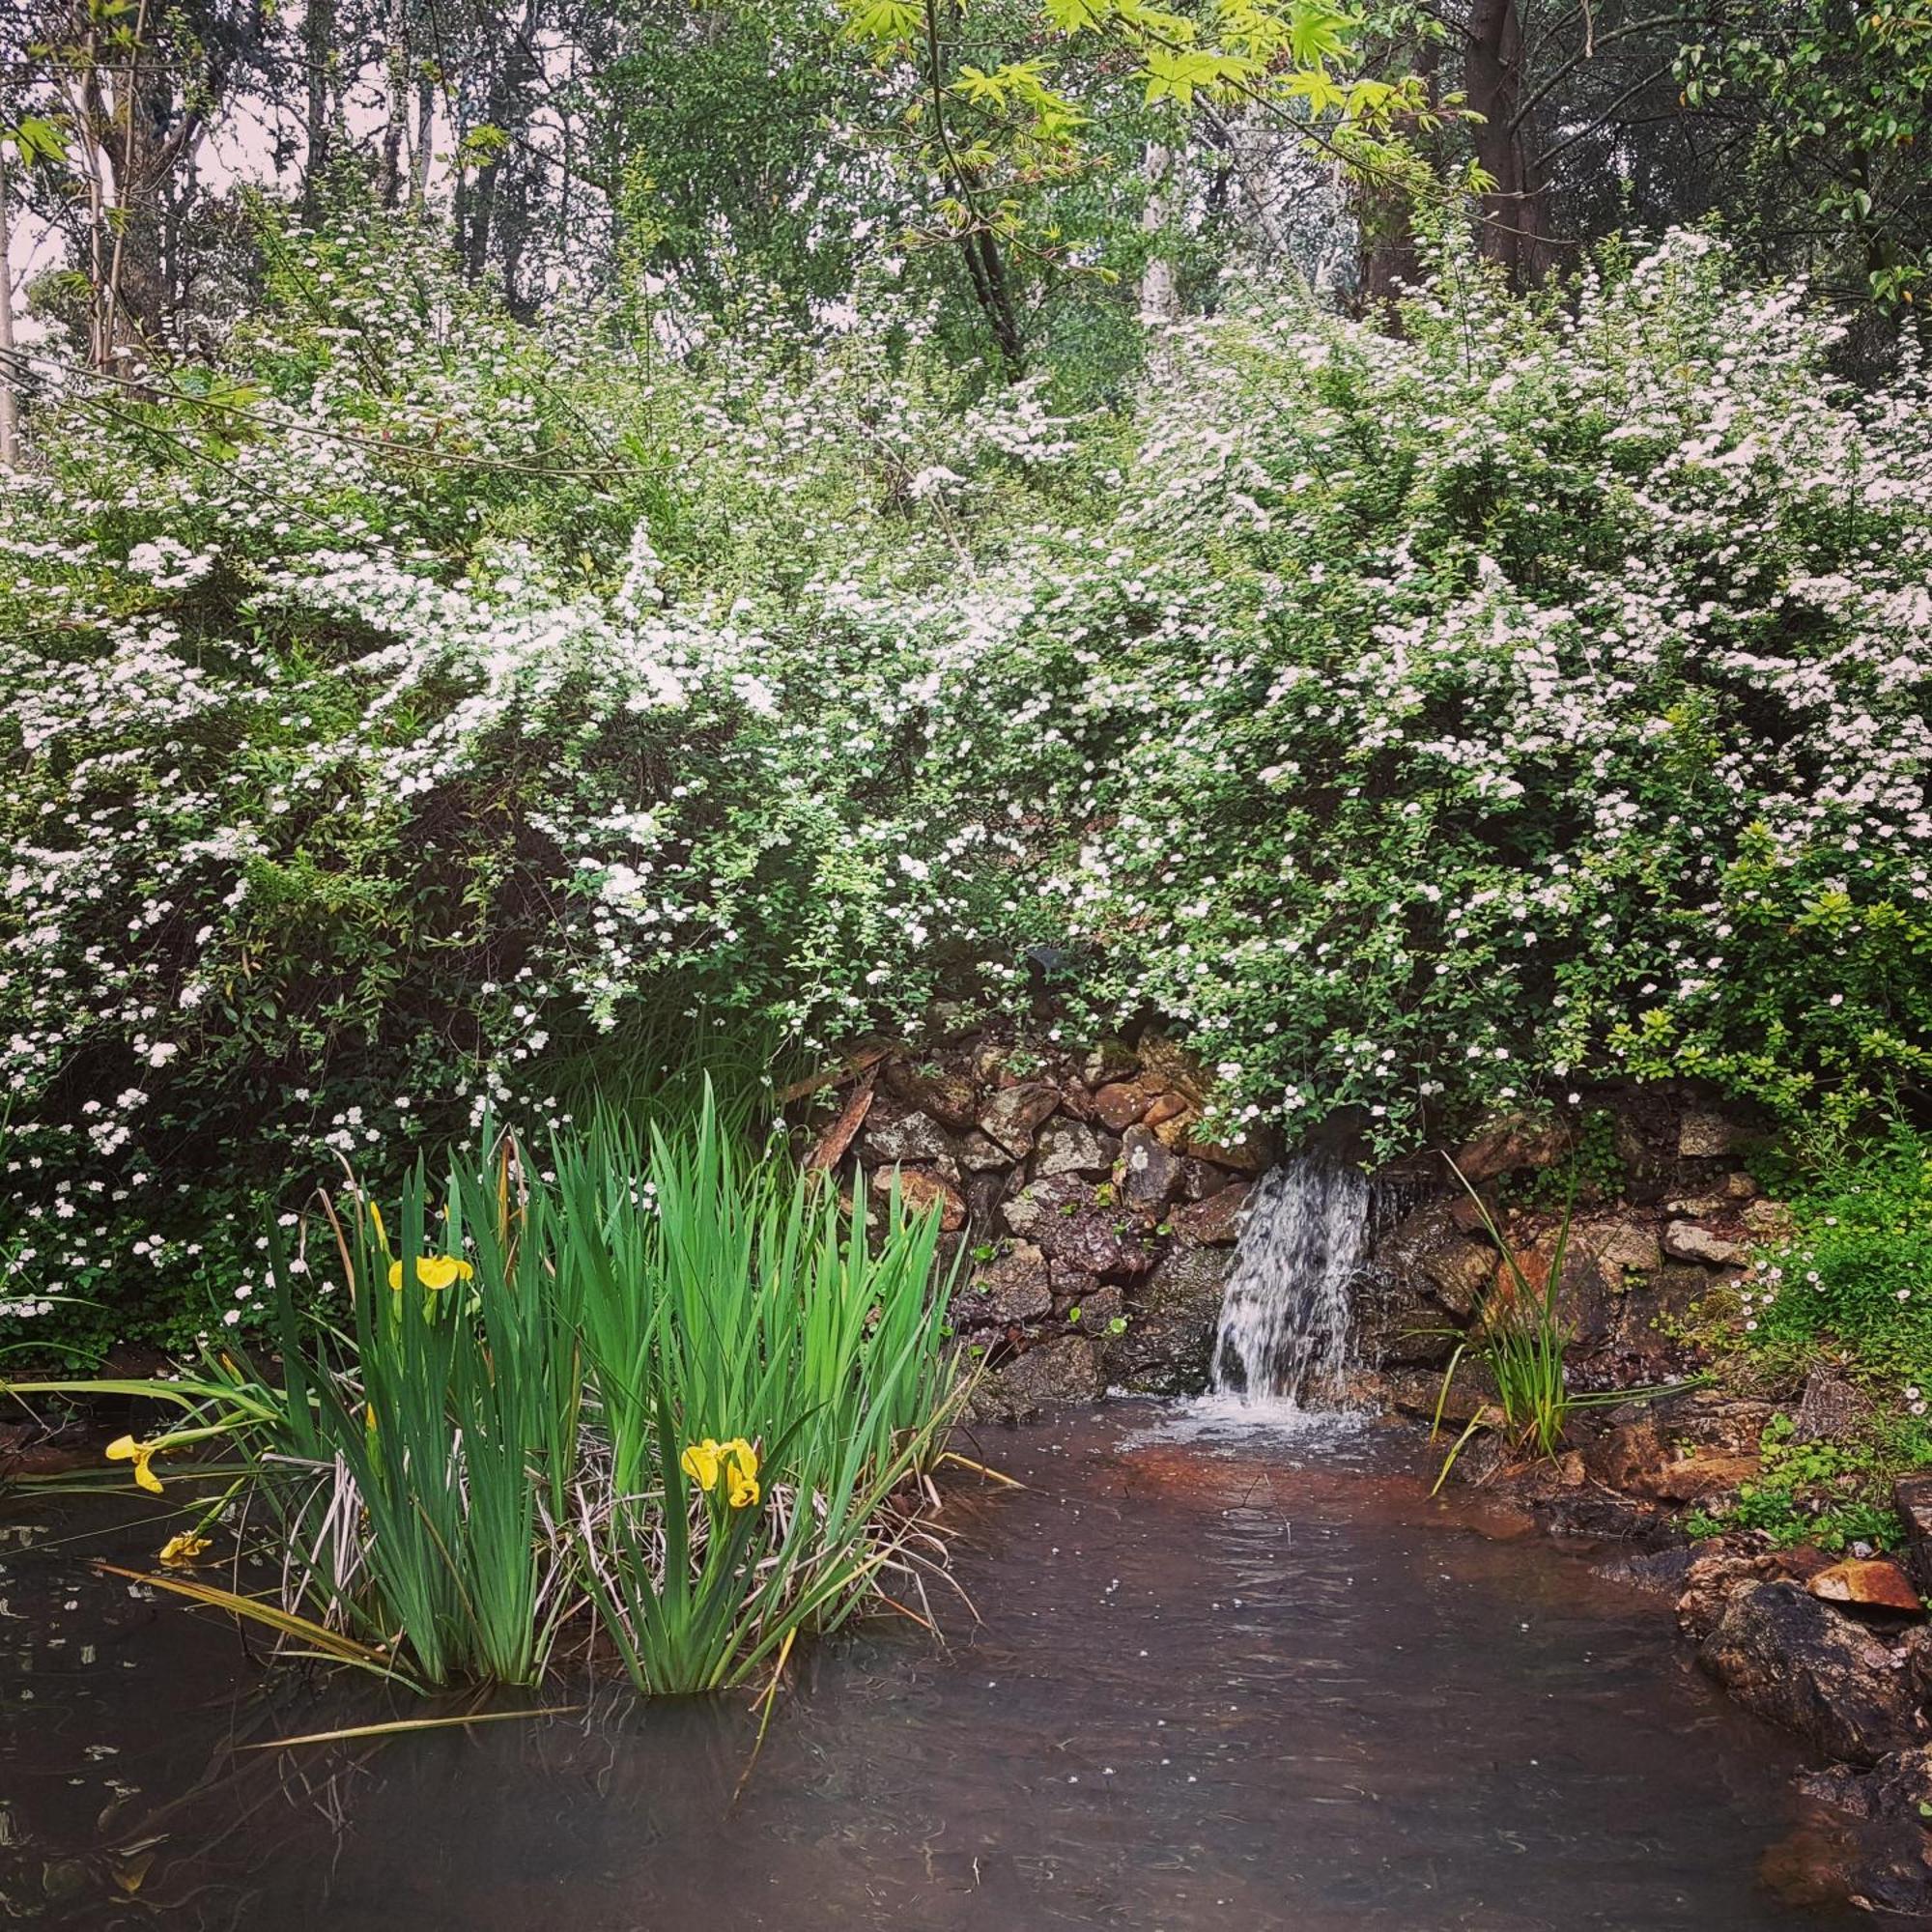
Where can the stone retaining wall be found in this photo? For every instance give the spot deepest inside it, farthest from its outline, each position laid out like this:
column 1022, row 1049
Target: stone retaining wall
column 1097, row 1217
column 1094, row 1218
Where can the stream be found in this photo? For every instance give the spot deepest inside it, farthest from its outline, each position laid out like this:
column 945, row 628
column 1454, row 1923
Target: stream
column 1224, row 1676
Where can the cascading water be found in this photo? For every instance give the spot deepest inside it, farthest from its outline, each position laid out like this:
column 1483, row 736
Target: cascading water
column 1284, row 1334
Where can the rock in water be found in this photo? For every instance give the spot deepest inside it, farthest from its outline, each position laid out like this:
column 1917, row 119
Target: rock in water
column 1799, row 1663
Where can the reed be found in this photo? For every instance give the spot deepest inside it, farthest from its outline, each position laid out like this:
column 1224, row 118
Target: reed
column 654, row 1398
column 1523, row 1340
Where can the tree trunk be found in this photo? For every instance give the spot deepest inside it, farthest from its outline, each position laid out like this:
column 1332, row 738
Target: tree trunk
column 318, row 42
column 993, row 291
column 1514, row 227
column 10, row 406
column 1160, row 292
column 1388, row 261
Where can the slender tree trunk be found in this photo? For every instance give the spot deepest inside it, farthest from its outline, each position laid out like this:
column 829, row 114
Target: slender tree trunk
column 395, row 106
column 1514, row 226
column 424, row 157
column 994, row 290
column 9, row 403
column 1160, row 292
column 318, row 47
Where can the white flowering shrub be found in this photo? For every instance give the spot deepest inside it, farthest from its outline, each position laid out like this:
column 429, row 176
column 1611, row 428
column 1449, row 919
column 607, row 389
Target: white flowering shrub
column 1449, row 719
column 422, row 712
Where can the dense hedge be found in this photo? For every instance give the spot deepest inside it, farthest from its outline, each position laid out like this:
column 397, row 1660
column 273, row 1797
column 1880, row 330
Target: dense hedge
column 422, row 714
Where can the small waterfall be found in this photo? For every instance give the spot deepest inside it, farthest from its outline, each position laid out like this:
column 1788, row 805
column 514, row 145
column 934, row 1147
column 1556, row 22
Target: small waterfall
column 1284, row 1330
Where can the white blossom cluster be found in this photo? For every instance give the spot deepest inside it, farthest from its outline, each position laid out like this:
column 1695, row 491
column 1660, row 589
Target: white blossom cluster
column 453, row 719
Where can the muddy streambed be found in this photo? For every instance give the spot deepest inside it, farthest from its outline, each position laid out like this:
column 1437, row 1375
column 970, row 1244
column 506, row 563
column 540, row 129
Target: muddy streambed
column 1226, row 1680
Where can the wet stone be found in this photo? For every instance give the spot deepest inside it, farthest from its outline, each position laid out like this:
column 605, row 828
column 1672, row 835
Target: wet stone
column 1015, row 1115
column 1064, row 1369
column 949, row 1096
column 1511, row 1144
column 920, row 1188
column 1213, row 1223
column 1875, row 1583
column 1459, row 1271
column 1067, row 1217
column 1121, row 1105
column 1071, row 1147
column 980, row 1155
column 1013, row 1287
column 1171, row 1317
column 1805, row 1665
column 907, row 1139
column 1150, row 1174
column 1912, row 1497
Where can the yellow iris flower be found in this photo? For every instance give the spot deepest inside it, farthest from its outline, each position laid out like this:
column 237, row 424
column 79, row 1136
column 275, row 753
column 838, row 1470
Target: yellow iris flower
column 700, row 1464
column 181, row 1551
column 433, row 1271
column 124, row 1449
column 736, row 1461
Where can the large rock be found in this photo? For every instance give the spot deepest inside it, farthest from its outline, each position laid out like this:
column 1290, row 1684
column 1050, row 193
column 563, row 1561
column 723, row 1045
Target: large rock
column 1431, row 1249
column 1150, row 1173
column 1064, row 1369
column 1687, row 1241
column 1172, row 1316
column 1014, row 1115
column 1166, row 1065
column 1890, row 1870
column 921, row 1188
column 898, row 1136
column 1213, row 1223
column 985, row 1195
column 1871, row 1583
column 1770, row 1220
column 1912, row 1497
column 1679, row 1448
column 1015, row 1286
column 1120, row 1105
column 1788, row 1657
column 980, row 1155
column 1715, row 1571
column 1622, row 1247
column 1420, row 1392
column 1093, row 1307
column 1072, row 1147
column 1066, row 1217
column 1507, row 1145
column 1112, row 1060
column 1706, row 1136
column 949, row 1096
column 1199, row 1178
column 1244, row 1150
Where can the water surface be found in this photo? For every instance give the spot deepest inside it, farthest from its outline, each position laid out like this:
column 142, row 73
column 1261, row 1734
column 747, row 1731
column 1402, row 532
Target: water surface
column 1222, row 1679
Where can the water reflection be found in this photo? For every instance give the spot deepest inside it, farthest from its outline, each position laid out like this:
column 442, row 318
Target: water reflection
column 1227, row 1681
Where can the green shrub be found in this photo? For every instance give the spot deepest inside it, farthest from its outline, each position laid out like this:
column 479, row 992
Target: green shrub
column 1830, row 1494
column 1859, row 1267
